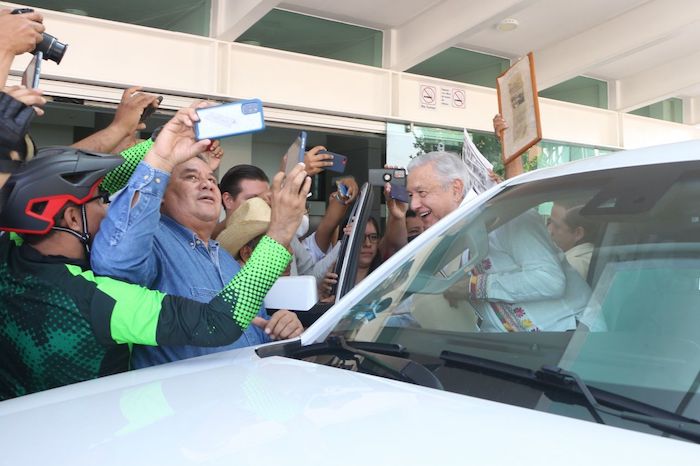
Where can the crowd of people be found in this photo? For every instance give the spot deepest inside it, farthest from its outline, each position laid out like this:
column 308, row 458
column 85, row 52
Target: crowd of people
column 113, row 255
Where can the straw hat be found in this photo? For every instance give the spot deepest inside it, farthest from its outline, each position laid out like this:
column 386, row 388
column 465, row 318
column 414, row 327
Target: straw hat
column 250, row 220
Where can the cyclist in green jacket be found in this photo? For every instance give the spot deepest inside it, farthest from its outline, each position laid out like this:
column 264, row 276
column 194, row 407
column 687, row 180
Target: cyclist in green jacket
column 62, row 324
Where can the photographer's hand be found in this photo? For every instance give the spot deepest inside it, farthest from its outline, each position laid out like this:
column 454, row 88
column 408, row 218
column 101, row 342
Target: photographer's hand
column 123, row 127
column 18, row 34
column 133, row 103
column 288, row 204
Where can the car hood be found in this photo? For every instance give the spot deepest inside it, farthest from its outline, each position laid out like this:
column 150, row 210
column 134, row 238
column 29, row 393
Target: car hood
column 236, row 408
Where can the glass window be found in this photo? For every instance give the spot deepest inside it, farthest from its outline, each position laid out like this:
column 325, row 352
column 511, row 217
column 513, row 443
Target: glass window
column 188, row 16
column 668, row 110
column 294, row 32
column 550, row 154
column 405, row 141
column 627, row 323
column 464, row 66
column 580, row 90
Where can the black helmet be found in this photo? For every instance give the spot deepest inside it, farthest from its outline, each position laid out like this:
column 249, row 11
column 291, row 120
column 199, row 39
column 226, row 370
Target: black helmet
column 37, row 191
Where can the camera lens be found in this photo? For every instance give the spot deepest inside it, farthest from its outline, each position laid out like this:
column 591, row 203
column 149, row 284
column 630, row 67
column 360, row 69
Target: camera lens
column 387, row 177
column 50, row 46
column 53, row 49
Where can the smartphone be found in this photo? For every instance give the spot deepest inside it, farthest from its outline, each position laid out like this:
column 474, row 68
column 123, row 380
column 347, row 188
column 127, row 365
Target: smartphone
column 30, row 78
column 399, row 193
column 148, row 111
column 379, row 176
column 295, row 153
column 339, row 161
column 230, row 119
column 343, row 190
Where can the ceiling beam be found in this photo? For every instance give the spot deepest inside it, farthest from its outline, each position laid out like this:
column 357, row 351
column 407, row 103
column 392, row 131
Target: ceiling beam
column 230, row 19
column 442, row 26
column 658, row 83
column 621, row 36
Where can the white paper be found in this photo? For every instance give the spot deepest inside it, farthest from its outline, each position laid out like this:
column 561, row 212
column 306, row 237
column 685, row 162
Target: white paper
column 477, row 165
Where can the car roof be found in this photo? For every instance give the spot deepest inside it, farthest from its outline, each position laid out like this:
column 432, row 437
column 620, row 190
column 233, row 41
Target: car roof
column 676, row 152
column 236, row 408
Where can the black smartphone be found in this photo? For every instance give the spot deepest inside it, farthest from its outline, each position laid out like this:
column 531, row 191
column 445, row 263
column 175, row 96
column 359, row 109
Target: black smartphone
column 379, row 176
column 30, row 77
column 399, row 193
column 148, row 111
column 339, row 162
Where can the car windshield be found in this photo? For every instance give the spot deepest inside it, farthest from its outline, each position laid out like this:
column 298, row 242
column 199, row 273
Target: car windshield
column 597, row 273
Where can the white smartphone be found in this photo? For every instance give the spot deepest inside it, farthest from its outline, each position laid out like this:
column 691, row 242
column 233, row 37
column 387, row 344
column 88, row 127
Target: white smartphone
column 230, row 119
column 30, row 77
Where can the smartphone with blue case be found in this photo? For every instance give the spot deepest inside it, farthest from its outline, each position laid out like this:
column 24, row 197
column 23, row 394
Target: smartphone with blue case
column 339, row 162
column 230, row 119
column 399, row 193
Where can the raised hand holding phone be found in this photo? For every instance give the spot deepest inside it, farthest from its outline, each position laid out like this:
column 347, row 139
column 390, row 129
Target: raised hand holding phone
column 338, row 162
column 148, row 111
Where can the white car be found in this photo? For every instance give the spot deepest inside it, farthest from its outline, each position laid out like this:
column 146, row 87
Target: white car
column 394, row 373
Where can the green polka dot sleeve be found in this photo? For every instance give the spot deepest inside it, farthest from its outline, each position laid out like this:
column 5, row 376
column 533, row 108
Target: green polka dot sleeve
column 245, row 292
column 119, row 177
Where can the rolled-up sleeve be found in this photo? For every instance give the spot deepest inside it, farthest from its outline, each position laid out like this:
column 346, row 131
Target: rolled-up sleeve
column 124, row 243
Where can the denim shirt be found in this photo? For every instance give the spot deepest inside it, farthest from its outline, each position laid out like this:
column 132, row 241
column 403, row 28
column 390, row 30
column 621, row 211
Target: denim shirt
column 139, row 245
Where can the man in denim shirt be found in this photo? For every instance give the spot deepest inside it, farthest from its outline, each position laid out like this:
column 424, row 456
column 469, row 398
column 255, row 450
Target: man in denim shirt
column 161, row 238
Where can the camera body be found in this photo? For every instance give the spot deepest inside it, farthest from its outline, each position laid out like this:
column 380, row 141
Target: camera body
column 379, row 176
column 51, row 47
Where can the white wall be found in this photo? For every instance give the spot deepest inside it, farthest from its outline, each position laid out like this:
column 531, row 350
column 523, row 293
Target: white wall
column 180, row 65
column 237, row 150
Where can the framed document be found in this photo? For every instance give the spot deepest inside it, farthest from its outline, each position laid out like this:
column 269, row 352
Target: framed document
column 518, row 104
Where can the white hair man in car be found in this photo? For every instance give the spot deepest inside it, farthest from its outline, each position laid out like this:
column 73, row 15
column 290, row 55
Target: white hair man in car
column 522, row 285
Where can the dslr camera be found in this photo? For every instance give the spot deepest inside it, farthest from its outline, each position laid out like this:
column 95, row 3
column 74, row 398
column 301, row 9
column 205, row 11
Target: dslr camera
column 51, row 47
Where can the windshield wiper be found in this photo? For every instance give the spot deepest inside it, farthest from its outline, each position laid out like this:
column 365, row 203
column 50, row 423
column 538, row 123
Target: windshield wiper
column 382, row 359
column 558, row 378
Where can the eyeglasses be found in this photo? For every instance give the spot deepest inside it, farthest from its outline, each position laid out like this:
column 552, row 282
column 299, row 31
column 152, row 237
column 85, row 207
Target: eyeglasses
column 373, row 238
column 103, row 195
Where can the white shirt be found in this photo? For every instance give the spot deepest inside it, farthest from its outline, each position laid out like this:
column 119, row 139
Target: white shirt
column 524, row 277
column 580, row 258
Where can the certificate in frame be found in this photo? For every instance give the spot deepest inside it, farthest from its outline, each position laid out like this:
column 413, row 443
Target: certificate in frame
column 519, row 106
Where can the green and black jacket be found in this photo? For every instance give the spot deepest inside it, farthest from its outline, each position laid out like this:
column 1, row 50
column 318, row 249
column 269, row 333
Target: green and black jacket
column 60, row 324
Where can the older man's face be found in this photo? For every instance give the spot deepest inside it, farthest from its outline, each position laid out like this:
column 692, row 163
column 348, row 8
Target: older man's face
column 193, row 197
column 430, row 199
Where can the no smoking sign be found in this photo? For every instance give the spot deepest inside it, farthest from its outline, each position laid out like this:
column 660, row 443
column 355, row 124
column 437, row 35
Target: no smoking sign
column 428, row 96
column 458, row 98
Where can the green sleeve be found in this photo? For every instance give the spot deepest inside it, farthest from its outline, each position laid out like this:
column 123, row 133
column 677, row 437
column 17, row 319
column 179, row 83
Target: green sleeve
column 119, row 177
column 246, row 291
column 122, row 312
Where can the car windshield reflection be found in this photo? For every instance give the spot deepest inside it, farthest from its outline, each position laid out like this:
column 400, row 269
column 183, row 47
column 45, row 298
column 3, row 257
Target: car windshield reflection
column 497, row 284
